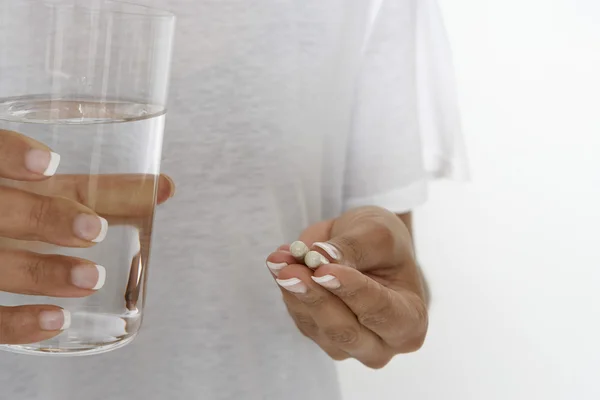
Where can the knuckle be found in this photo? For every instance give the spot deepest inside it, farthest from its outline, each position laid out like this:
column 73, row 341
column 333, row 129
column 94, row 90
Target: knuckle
column 415, row 326
column 343, row 336
column 415, row 345
column 357, row 292
column 383, row 313
column 7, row 328
column 337, row 355
column 351, row 248
column 379, row 318
column 314, row 301
column 378, row 362
column 353, row 293
column 305, row 323
column 385, row 235
column 411, row 345
column 41, row 214
column 44, row 215
column 37, row 272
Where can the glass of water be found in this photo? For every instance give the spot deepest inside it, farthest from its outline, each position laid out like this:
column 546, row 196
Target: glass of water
column 89, row 79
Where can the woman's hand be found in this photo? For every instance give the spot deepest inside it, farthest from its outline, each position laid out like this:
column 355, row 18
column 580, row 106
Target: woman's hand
column 368, row 303
column 63, row 210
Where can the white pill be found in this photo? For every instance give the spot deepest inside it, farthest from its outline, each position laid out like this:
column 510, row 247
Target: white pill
column 314, row 259
column 299, row 250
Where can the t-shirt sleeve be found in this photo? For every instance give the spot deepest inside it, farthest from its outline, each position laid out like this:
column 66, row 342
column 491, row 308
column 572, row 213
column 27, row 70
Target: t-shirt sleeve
column 406, row 128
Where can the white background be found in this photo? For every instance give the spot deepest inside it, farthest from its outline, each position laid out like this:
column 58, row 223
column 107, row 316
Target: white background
column 513, row 258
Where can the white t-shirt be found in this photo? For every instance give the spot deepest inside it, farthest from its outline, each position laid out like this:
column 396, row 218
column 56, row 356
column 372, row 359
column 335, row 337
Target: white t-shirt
column 282, row 113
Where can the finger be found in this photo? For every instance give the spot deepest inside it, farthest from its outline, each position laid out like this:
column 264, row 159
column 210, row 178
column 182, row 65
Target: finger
column 368, row 237
column 335, row 321
column 332, row 351
column 398, row 317
column 120, row 195
column 308, row 327
column 306, row 324
column 31, row 324
column 278, row 260
column 54, row 220
column 25, row 159
column 123, row 195
column 49, row 275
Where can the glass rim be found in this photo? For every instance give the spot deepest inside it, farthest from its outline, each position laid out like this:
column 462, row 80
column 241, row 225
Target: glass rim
column 110, row 6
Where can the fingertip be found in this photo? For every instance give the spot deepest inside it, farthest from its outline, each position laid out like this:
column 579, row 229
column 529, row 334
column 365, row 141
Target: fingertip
column 295, row 271
column 43, row 163
column 333, row 269
column 327, row 281
column 54, row 320
column 276, row 267
column 166, row 188
column 330, row 250
column 280, row 257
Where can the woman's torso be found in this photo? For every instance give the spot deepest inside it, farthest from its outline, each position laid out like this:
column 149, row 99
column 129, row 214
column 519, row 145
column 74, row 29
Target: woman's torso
column 259, row 113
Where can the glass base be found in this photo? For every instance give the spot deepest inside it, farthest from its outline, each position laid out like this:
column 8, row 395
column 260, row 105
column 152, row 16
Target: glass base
column 68, row 352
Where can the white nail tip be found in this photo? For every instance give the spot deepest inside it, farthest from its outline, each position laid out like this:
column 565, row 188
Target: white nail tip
column 299, row 249
column 66, row 320
column 286, row 283
column 276, row 266
column 323, row 279
column 103, row 231
column 53, row 165
column 101, row 277
column 314, row 259
column 329, row 249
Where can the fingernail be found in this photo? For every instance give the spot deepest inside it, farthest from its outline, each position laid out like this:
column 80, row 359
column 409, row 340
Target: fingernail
column 276, row 267
column 55, row 320
column 299, row 250
column 42, row 162
column 330, row 249
column 293, row 285
column 90, row 227
column 172, row 187
column 314, row 259
column 327, row 281
column 88, row 276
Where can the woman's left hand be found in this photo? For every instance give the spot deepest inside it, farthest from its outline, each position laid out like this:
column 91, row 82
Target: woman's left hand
column 368, row 303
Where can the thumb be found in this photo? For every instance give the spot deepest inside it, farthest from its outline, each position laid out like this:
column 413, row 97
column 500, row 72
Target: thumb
column 366, row 238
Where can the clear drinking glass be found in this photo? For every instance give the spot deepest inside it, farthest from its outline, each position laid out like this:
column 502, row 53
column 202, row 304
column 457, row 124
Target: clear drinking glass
column 90, row 79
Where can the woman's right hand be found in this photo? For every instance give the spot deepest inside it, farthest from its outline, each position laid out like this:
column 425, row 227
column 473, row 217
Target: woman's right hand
column 59, row 210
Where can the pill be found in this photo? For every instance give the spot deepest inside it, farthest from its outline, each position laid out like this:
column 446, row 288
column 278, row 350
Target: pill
column 314, row 259
column 299, row 250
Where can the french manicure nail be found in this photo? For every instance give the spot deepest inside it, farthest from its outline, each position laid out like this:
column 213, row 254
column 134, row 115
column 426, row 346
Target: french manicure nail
column 330, row 249
column 55, row 320
column 327, row 281
column 88, row 276
column 42, row 162
column 299, row 250
column 90, row 227
column 314, row 259
column 293, row 285
column 276, row 267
